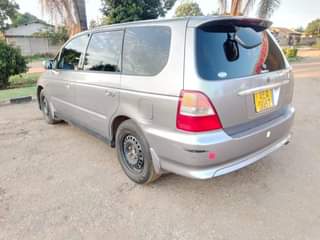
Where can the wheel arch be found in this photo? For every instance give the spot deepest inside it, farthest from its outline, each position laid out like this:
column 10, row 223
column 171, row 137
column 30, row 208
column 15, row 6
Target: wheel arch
column 39, row 89
column 114, row 127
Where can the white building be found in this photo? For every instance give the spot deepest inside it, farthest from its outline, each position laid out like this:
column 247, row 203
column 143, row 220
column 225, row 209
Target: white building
column 23, row 37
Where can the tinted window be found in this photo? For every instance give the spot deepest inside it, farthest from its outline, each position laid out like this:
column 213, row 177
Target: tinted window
column 146, row 50
column 231, row 52
column 104, row 51
column 71, row 53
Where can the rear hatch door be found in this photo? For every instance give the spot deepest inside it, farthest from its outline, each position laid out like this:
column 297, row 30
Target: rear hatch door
column 240, row 67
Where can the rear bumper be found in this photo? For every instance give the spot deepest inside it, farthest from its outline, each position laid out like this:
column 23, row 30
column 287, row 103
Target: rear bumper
column 226, row 168
column 188, row 154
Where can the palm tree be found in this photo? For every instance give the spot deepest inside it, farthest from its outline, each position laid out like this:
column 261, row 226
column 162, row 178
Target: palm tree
column 267, row 7
column 243, row 7
column 71, row 12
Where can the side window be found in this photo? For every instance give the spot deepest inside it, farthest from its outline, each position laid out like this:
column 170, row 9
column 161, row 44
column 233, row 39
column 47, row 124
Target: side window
column 104, row 51
column 146, row 50
column 71, row 53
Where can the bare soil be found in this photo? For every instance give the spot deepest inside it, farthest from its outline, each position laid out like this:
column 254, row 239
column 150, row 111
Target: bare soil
column 57, row 182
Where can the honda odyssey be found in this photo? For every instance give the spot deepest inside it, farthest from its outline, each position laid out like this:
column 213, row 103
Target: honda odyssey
column 198, row 96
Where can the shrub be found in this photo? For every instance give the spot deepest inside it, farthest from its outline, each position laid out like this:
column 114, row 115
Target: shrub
column 290, row 52
column 11, row 63
column 39, row 57
column 23, row 80
column 317, row 44
column 56, row 36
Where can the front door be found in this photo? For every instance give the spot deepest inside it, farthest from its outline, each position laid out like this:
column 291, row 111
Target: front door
column 60, row 86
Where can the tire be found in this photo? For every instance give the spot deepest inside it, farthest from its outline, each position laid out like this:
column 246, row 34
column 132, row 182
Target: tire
column 134, row 154
column 45, row 108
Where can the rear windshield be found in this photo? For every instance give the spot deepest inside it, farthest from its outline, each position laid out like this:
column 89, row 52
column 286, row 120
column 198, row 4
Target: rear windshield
column 225, row 52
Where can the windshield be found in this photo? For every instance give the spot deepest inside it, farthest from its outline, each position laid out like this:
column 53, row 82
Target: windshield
column 225, row 52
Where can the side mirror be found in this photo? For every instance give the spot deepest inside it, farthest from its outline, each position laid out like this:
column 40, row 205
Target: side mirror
column 48, row 64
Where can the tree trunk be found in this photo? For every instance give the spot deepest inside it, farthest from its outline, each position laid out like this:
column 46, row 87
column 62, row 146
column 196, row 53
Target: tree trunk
column 80, row 12
column 236, row 7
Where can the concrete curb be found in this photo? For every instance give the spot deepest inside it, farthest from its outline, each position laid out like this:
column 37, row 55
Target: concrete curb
column 19, row 100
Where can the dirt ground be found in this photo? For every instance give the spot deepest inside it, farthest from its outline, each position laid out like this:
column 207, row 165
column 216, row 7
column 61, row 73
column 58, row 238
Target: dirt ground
column 309, row 53
column 36, row 67
column 57, row 182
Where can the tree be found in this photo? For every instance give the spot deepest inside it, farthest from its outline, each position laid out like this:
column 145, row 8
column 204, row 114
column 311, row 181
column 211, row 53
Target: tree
column 133, row 10
column 243, row 7
column 11, row 63
column 313, row 27
column 71, row 12
column 26, row 18
column 188, row 8
column 56, row 36
column 267, row 7
column 93, row 24
column 8, row 10
column 300, row 29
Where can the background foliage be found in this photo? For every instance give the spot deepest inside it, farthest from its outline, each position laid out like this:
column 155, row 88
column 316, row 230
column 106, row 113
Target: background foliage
column 25, row 18
column 56, row 36
column 290, row 52
column 11, row 63
column 133, row 10
column 8, row 9
column 313, row 27
column 188, row 8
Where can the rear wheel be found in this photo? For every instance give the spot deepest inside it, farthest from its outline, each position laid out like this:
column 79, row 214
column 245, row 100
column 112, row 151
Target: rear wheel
column 133, row 153
column 46, row 110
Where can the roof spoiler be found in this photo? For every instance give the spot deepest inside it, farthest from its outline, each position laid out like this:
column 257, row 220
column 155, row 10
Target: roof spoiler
column 256, row 23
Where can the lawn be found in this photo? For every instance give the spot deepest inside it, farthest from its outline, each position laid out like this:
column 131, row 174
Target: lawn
column 7, row 94
column 23, row 80
column 39, row 57
column 20, row 85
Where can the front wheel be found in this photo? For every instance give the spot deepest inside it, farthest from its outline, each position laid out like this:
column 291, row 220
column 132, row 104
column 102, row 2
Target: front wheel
column 133, row 153
column 46, row 110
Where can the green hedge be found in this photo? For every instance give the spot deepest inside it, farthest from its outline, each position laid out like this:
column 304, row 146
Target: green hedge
column 23, row 80
column 11, row 63
column 290, row 52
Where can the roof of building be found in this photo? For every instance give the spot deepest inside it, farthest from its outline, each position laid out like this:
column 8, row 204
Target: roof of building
column 284, row 30
column 26, row 30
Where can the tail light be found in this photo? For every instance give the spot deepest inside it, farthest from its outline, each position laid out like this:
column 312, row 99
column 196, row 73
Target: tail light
column 196, row 113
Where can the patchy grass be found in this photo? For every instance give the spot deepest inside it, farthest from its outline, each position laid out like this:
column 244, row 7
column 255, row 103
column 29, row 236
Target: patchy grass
column 7, row 94
column 23, row 80
column 21, row 85
column 294, row 59
column 317, row 45
column 39, row 57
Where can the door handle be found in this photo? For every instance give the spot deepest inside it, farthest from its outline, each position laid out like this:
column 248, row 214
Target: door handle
column 110, row 93
column 55, row 72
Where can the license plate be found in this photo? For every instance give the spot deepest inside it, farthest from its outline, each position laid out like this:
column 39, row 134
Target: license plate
column 263, row 100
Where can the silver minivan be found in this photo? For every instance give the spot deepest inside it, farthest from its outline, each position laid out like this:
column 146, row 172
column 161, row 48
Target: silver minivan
column 196, row 96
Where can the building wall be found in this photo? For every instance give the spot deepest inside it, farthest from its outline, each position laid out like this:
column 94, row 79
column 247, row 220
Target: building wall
column 281, row 38
column 33, row 45
column 308, row 40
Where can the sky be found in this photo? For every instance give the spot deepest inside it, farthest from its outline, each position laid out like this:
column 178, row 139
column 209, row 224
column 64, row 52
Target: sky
column 291, row 14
